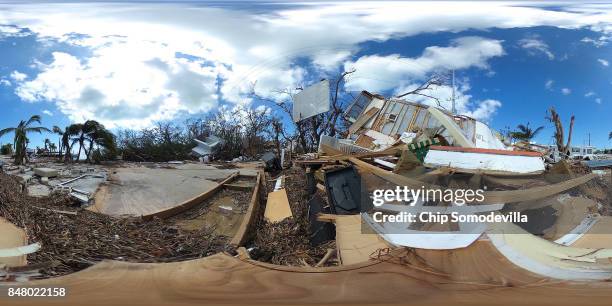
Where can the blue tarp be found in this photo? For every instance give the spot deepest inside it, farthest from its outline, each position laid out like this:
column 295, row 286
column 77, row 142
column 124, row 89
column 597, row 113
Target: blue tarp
column 598, row 163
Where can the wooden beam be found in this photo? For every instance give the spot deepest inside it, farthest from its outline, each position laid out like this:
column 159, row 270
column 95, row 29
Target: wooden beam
column 327, row 217
column 249, row 217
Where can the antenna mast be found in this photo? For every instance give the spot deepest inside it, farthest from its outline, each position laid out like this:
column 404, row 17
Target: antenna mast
column 454, row 110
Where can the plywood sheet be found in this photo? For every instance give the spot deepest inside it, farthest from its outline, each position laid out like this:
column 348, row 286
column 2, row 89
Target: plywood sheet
column 353, row 245
column 277, row 206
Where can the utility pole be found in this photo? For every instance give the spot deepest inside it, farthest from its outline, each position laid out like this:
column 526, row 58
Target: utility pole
column 454, row 109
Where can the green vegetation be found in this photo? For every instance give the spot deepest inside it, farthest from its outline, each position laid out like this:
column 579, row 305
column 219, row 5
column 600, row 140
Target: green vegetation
column 20, row 141
column 525, row 133
column 91, row 136
column 6, row 149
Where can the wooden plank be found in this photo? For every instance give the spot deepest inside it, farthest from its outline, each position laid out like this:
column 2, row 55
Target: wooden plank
column 363, row 118
column 277, row 206
column 167, row 213
column 327, row 217
column 490, row 197
column 251, row 213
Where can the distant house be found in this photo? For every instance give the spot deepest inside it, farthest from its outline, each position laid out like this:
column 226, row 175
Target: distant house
column 580, row 152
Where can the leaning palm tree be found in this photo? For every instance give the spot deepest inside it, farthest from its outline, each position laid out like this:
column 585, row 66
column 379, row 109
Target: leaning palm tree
column 20, row 141
column 82, row 132
column 98, row 136
column 525, row 133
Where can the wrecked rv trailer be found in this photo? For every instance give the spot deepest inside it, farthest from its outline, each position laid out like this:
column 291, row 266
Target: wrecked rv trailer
column 310, row 225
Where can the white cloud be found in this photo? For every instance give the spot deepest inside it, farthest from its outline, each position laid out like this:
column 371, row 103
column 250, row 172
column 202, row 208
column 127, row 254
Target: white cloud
column 484, row 109
column 535, row 45
column 603, row 62
column 329, row 60
column 589, row 94
column 598, row 100
column 549, row 84
column 18, row 76
column 566, row 91
column 12, row 31
column 144, row 84
column 48, row 112
column 5, row 82
column 378, row 73
column 599, row 42
column 464, row 104
column 242, row 46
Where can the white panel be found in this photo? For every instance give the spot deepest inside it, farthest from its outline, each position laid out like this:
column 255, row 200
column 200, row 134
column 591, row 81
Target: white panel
column 484, row 161
column 19, row 251
column 311, row 101
column 485, row 138
column 398, row 235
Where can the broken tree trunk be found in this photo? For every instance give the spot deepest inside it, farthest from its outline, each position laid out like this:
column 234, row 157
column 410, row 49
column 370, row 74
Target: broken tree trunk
column 561, row 146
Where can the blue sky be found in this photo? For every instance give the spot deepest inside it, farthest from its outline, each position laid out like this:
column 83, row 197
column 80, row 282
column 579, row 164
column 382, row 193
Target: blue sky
column 129, row 65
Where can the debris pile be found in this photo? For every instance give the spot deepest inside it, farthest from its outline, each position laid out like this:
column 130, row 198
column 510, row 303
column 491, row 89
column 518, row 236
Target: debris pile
column 288, row 242
column 73, row 239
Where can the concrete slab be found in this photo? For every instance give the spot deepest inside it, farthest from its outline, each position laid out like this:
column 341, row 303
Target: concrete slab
column 141, row 191
column 39, row 190
column 24, row 178
column 46, row 172
column 214, row 173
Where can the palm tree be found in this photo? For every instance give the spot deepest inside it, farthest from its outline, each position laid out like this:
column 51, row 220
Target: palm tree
column 525, row 133
column 610, row 136
column 20, row 142
column 47, row 143
column 52, row 147
column 99, row 136
column 93, row 132
column 69, row 131
column 76, row 134
column 56, row 130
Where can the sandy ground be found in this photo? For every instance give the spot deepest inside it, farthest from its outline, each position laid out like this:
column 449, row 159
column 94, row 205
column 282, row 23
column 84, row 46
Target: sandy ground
column 140, row 191
column 10, row 237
